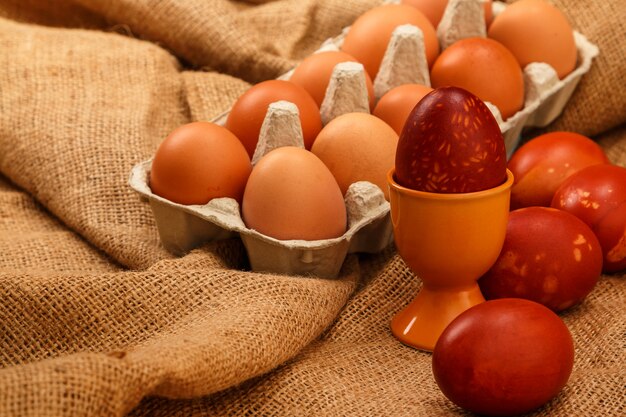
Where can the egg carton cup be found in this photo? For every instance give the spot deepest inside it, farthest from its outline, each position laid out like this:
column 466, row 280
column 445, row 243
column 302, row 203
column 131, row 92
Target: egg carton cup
column 184, row 227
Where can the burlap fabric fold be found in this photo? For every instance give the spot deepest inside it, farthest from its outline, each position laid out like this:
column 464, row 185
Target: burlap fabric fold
column 97, row 319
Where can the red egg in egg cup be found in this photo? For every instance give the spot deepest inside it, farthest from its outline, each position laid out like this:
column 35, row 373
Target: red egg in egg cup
column 449, row 194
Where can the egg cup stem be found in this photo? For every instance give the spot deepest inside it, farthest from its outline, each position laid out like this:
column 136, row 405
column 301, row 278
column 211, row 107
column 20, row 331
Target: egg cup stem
column 424, row 319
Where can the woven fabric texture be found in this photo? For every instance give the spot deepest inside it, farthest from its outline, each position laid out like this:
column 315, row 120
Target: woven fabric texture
column 97, row 319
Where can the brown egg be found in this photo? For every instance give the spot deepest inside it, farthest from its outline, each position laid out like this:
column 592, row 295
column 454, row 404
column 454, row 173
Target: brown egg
column 292, row 195
column 396, row 105
column 369, row 35
column 434, row 9
column 314, row 73
column 485, row 68
column 536, row 31
column 246, row 116
column 198, row 162
column 357, row 147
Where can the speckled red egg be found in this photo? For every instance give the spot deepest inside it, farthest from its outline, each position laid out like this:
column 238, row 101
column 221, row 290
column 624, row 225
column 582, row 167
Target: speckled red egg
column 451, row 143
column 597, row 195
column 544, row 162
column 611, row 233
column 549, row 256
column 503, row 357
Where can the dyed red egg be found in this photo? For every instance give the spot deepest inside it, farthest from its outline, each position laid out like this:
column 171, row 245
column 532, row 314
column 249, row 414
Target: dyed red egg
column 549, row 256
column 543, row 163
column 503, row 357
column 451, row 143
column 597, row 196
column 611, row 232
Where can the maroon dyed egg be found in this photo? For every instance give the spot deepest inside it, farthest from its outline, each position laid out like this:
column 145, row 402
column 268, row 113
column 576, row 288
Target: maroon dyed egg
column 543, row 163
column 451, row 143
column 597, row 196
column 611, row 233
column 503, row 357
column 549, row 256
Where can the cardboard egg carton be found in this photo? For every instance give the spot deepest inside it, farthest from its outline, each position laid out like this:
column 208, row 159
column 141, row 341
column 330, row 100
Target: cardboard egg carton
column 369, row 229
column 184, row 227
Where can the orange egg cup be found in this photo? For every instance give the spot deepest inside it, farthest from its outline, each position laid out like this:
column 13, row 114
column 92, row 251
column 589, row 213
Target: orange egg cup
column 449, row 241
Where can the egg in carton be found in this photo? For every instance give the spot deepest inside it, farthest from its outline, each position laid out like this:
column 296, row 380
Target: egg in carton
column 545, row 95
column 184, row 227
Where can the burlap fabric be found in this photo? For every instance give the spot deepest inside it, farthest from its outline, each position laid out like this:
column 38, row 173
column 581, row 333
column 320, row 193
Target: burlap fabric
column 96, row 319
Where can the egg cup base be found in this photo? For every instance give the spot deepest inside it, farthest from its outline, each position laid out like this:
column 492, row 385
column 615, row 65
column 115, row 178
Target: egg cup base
column 420, row 324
